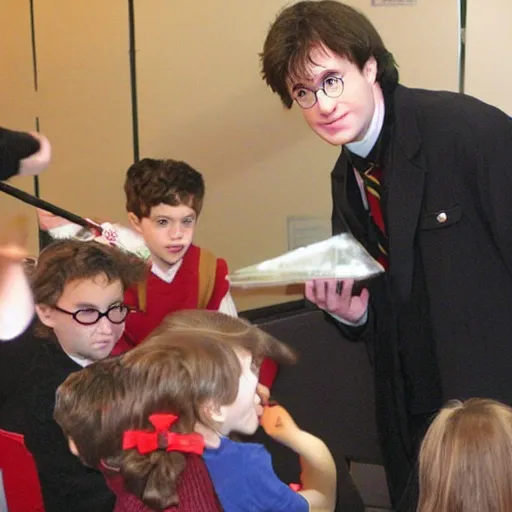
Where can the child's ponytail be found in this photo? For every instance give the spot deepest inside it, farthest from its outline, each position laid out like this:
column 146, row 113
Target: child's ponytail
column 153, row 477
column 153, row 461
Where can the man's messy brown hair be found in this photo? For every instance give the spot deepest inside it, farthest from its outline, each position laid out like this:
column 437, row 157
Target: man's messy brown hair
column 308, row 25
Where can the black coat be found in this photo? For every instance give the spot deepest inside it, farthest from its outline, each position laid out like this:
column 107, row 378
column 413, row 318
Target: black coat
column 31, row 369
column 439, row 319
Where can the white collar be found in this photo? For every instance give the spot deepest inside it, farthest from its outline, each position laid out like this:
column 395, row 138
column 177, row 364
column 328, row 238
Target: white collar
column 81, row 361
column 170, row 274
column 363, row 147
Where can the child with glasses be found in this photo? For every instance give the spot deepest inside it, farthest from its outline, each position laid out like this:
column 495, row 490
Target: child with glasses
column 78, row 293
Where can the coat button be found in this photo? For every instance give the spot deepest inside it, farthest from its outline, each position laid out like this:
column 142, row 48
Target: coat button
column 442, row 217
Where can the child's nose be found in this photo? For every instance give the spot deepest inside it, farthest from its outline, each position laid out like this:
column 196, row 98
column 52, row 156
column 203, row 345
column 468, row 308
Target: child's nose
column 176, row 232
column 105, row 325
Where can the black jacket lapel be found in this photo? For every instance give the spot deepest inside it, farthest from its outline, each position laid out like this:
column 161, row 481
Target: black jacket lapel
column 404, row 185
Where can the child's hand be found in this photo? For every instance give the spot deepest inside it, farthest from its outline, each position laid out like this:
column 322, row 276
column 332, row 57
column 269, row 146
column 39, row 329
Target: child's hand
column 16, row 303
column 13, row 240
column 279, row 425
column 11, row 253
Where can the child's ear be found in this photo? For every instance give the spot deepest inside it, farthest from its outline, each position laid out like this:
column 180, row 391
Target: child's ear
column 72, row 447
column 134, row 222
column 214, row 412
column 45, row 314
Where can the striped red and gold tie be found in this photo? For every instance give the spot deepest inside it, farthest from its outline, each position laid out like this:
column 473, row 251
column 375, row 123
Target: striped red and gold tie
column 372, row 183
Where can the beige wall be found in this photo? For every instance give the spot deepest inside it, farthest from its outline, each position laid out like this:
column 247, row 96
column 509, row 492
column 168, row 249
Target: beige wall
column 488, row 43
column 200, row 99
column 17, row 98
column 423, row 38
column 84, row 103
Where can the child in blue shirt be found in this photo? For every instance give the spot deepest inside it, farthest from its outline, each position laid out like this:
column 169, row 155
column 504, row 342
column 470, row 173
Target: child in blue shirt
column 202, row 368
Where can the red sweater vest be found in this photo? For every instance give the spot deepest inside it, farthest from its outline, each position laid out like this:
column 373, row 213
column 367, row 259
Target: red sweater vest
column 163, row 298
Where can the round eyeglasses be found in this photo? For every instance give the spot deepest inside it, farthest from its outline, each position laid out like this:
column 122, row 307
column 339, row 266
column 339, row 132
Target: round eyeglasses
column 116, row 314
column 332, row 87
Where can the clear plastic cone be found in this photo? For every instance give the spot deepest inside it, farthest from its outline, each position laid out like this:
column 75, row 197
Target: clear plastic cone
column 338, row 257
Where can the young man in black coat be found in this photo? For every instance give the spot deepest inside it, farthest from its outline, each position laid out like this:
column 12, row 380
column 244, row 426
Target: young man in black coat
column 424, row 181
column 78, row 291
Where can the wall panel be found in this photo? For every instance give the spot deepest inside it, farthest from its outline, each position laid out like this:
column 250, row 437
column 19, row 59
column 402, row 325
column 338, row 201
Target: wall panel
column 18, row 100
column 84, row 89
column 488, row 43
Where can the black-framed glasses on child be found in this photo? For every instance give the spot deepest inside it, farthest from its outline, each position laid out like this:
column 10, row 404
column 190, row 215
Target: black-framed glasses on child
column 116, row 314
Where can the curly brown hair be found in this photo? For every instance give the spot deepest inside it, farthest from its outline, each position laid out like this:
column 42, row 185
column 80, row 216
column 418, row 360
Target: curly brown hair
column 151, row 182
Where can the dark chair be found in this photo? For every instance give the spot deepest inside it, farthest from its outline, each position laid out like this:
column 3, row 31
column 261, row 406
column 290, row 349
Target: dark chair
column 330, row 393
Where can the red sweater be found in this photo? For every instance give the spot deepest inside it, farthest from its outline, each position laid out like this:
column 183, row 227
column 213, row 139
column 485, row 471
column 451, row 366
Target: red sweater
column 181, row 293
column 195, row 491
column 163, row 298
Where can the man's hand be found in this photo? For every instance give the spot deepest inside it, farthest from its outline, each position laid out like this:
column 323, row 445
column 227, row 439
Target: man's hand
column 336, row 298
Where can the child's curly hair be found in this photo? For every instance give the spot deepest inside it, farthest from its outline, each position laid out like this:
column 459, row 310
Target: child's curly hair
column 152, row 182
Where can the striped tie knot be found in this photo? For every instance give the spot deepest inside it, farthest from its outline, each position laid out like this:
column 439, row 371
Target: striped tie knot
column 372, row 183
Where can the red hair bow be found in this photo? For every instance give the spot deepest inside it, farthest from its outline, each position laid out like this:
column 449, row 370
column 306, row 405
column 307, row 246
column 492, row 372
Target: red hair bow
column 161, row 439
